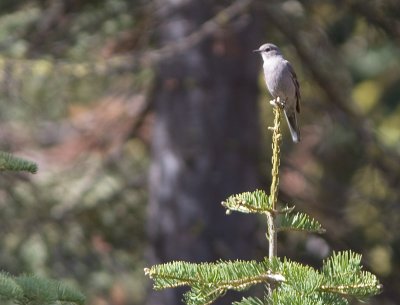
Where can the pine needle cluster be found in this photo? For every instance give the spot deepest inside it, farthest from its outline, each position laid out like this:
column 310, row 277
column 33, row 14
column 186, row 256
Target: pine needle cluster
column 340, row 279
column 8, row 162
column 31, row 289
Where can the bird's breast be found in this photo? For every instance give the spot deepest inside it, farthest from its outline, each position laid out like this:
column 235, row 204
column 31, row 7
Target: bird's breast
column 278, row 79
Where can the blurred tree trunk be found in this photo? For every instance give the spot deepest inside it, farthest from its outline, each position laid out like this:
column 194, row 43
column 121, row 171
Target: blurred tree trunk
column 205, row 141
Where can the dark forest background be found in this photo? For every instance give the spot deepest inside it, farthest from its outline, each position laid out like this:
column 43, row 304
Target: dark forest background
column 144, row 115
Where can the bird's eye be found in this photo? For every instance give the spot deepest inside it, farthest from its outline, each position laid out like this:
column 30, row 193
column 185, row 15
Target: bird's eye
column 267, row 49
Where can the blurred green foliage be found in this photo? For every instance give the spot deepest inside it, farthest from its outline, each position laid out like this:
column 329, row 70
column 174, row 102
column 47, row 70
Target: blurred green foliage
column 81, row 220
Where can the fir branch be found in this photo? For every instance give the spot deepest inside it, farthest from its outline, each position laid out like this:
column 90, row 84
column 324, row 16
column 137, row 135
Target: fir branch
column 332, row 299
column 211, row 280
column 11, row 163
column 68, row 294
column 342, row 262
column 228, row 275
column 360, row 291
column 343, row 275
column 28, row 289
column 304, row 285
column 340, row 278
column 301, row 278
column 248, row 202
column 9, row 289
column 38, row 290
column 201, row 295
column 299, row 222
column 285, row 296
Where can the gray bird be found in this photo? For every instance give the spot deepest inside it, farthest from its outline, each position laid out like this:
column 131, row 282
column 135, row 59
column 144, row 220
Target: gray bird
column 282, row 83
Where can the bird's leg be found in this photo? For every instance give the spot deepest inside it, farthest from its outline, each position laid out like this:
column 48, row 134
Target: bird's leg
column 278, row 102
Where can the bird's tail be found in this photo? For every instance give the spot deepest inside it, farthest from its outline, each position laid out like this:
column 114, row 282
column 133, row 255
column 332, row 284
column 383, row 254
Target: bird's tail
column 293, row 126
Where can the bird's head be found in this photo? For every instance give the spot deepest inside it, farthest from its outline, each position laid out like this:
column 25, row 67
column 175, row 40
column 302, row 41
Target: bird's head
column 268, row 50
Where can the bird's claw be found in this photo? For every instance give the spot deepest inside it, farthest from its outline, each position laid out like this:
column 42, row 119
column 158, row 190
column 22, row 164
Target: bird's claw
column 277, row 103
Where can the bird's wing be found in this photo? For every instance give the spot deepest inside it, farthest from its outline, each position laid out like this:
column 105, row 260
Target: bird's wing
column 296, row 85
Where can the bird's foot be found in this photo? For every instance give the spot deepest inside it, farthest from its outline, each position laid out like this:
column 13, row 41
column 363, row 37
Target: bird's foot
column 278, row 103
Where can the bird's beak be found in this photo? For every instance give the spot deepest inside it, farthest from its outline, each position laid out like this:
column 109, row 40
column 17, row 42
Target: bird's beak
column 257, row 51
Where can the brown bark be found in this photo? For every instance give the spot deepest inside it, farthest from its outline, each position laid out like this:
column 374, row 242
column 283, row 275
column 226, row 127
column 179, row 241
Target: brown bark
column 205, row 142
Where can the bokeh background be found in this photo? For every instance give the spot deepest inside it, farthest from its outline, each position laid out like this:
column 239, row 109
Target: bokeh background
column 144, row 115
